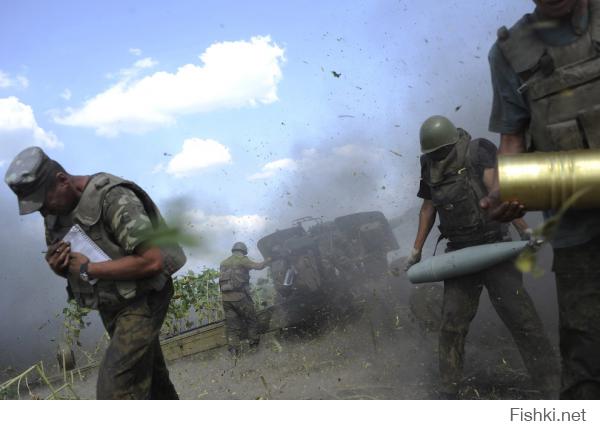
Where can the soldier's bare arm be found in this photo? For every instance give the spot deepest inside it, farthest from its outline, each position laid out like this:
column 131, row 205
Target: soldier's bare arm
column 490, row 179
column 426, row 220
column 258, row 266
column 145, row 263
column 427, row 216
column 512, row 143
column 498, row 210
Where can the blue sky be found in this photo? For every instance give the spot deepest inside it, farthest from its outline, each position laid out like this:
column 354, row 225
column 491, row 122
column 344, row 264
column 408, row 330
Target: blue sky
column 241, row 98
column 270, row 134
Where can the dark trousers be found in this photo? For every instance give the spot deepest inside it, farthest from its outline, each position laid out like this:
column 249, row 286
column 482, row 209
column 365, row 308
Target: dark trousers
column 133, row 366
column 578, row 289
column 515, row 308
column 240, row 318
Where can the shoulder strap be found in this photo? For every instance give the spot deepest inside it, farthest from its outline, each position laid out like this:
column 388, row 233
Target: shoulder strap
column 89, row 209
column 520, row 45
column 471, row 165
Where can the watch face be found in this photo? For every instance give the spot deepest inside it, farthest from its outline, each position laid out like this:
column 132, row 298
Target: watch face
column 84, row 276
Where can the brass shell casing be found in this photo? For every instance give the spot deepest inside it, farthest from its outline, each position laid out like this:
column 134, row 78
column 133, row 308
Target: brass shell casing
column 545, row 180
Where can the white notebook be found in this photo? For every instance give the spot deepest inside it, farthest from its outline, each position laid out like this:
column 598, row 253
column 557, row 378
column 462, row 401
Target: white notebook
column 81, row 242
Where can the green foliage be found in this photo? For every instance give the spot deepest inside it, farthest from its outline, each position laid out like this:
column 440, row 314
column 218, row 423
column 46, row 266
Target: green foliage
column 73, row 322
column 12, row 388
column 196, row 301
column 527, row 261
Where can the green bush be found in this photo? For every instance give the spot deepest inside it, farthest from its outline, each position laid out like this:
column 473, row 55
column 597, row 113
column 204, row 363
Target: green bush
column 196, row 301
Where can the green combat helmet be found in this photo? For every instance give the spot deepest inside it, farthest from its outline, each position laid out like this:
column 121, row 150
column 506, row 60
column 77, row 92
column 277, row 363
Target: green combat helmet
column 240, row 246
column 437, row 131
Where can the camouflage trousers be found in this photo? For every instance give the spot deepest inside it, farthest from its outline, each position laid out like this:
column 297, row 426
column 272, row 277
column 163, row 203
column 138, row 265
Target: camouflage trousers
column 133, row 366
column 241, row 320
column 515, row 308
column 577, row 274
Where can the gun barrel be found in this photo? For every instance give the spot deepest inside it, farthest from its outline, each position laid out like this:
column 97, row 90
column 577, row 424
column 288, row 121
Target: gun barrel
column 545, row 180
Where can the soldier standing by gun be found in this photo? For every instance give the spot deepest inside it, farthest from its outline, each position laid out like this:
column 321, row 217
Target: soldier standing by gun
column 234, row 281
column 456, row 173
column 546, row 78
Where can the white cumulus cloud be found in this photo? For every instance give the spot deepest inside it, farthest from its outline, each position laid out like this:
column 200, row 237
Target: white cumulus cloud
column 231, row 75
column 145, row 63
column 135, row 51
column 196, row 155
column 18, row 126
column 271, row 169
column 5, row 80
column 226, row 223
column 19, row 81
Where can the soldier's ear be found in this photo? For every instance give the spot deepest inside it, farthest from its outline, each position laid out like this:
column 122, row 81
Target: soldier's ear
column 61, row 179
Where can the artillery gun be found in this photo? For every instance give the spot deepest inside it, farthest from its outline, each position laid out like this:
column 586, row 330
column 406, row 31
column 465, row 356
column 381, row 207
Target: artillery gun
column 319, row 265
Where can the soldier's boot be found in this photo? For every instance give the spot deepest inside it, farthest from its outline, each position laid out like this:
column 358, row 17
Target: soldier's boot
column 461, row 297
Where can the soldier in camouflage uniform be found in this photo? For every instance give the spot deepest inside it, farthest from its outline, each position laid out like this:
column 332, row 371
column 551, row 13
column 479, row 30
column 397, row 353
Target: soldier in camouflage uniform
column 546, row 78
column 132, row 290
column 240, row 314
column 456, row 173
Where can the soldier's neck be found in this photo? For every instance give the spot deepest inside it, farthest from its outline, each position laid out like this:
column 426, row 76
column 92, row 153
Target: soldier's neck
column 79, row 182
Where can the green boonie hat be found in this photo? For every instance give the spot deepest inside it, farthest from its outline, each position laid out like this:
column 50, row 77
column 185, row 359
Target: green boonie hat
column 436, row 132
column 240, row 246
column 27, row 176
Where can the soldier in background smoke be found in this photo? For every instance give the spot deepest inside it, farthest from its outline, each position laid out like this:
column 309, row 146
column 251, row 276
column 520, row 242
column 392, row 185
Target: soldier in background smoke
column 240, row 314
column 546, row 92
column 456, row 173
column 131, row 291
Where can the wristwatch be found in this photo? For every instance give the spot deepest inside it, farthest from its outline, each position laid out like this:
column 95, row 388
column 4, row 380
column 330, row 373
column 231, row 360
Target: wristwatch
column 83, row 272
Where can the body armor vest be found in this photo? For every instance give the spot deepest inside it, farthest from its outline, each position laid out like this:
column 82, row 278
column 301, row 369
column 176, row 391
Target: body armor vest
column 233, row 276
column 561, row 84
column 456, row 189
column 88, row 214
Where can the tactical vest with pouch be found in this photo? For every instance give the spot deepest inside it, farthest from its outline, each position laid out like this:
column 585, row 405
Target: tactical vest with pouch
column 234, row 278
column 561, row 84
column 88, row 215
column 456, row 189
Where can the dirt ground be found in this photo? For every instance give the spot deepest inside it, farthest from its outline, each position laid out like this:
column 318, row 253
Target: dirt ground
column 382, row 351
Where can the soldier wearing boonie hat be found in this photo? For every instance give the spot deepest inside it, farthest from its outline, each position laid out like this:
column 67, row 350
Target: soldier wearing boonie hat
column 28, row 176
column 132, row 290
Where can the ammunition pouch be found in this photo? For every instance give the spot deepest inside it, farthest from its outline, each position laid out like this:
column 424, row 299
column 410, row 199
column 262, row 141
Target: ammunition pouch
column 561, row 84
column 234, row 279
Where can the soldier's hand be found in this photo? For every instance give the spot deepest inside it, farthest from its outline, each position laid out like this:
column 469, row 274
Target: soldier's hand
column 414, row 258
column 75, row 261
column 525, row 234
column 501, row 211
column 57, row 257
